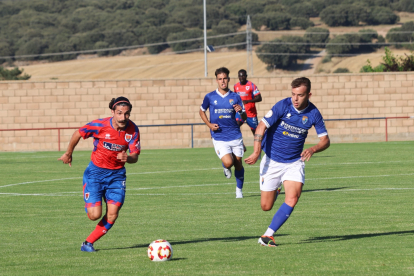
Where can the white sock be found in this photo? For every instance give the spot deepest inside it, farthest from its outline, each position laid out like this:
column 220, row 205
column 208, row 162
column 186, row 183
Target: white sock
column 238, row 189
column 269, row 232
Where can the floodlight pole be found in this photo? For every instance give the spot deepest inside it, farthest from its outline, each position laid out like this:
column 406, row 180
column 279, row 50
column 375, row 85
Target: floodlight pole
column 205, row 38
column 249, row 46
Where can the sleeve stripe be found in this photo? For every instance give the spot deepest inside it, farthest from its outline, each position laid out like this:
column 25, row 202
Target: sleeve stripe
column 323, row 134
column 266, row 123
column 202, row 108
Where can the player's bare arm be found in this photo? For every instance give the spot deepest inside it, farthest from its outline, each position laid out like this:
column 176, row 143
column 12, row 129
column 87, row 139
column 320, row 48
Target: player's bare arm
column 256, row 99
column 203, row 116
column 324, row 143
column 67, row 156
column 238, row 108
column 258, row 137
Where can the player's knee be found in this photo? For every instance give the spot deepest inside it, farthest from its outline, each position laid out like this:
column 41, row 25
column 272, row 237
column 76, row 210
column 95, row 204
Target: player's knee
column 112, row 217
column 266, row 206
column 291, row 201
column 94, row 216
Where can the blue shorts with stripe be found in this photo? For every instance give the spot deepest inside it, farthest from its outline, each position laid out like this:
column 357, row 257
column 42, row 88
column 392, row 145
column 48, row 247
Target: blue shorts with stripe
column 100, row 183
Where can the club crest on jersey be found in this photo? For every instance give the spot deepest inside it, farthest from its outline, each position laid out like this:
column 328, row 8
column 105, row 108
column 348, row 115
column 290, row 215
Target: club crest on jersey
column 288, row 116
column 262, row 180
column 86, row 196
column 231, row 101
column 304, row 119
column 247, row 87
column 128, row 137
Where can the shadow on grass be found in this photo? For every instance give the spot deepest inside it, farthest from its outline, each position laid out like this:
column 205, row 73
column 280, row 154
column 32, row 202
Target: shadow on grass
column 172, row 242
column 356, row 236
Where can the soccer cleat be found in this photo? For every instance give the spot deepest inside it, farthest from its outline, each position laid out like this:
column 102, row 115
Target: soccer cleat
column 277, row 193
column 239, row 193
column 87, row 247
column 227, row 172
column 267, row 241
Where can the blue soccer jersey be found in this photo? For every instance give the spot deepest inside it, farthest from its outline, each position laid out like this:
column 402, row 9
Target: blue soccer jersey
column 223, row 114
column 288, row 128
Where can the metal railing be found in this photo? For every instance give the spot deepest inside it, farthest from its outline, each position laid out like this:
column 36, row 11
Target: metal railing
column 198, row 124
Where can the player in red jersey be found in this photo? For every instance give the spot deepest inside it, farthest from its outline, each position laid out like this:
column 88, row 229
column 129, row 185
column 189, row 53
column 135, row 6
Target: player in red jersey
column 250, row 95
column 105, row 175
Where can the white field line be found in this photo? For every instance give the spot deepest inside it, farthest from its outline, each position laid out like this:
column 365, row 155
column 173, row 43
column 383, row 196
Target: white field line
column 232, row 183
column 175, row 171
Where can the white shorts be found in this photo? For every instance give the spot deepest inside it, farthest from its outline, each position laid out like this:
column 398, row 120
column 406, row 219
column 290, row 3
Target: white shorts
column 273, row 174
column 225, row 147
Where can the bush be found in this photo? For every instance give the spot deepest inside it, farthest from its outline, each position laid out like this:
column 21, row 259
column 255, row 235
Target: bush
column 189, row 45
column 391, row 63
column 344, row 15
column 381, row 15
column 278, row 55
column 327, row 59
column 341, row 70
column 396, row 35
column 301, row 22
column 13, row 74
column 272, row 20
column 317, row 36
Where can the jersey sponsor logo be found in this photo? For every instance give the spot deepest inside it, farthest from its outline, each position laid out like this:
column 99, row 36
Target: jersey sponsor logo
column 288, row 116
column 290, row 134
column 113, row 147
column 223, row 110
column 108, row 136
column 269, row 114
column 304, row 119
column 86, row 196
column 224, row 116
column 231, row 101
column 293, row 128
column 128, row 137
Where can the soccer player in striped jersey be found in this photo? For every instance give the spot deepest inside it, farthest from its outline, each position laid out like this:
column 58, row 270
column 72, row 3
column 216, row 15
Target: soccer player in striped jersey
column 250, row 95
column 224, row 105
column 105, row 176
column 282, row 134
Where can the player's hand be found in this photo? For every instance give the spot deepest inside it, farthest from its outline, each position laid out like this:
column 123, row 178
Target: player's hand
column 237, row 107
column 213, row 127
column 66, row 158
column 307, row 154
column 246, row 102
column 252, row 159
column 122, row 156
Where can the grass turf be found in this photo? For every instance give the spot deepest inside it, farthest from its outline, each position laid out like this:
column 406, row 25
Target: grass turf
column 354, row 216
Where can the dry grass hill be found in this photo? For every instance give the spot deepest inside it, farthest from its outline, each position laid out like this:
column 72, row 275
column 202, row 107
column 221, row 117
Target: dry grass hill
column 137, row 65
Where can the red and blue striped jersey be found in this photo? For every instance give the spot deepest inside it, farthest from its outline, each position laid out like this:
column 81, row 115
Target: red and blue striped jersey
column 108, row 142
column 248, row 92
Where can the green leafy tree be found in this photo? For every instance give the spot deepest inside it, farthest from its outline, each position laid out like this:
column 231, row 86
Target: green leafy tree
column 391, row 63
column 301, row 22
column 13, row 74
column 317, row 35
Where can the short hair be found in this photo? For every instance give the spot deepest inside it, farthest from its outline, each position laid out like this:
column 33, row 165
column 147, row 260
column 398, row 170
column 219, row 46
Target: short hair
column 302, row 82
column 222, row 70
column 242, row 71
column 120, row 101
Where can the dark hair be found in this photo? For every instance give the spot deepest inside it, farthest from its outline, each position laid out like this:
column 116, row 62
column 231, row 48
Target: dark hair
column 222, row 70
column 122, row 101
column 302, row 82
column 242, row 71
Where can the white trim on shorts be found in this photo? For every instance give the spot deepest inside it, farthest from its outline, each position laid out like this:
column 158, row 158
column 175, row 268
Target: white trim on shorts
column 273, row 174
column 225, row 147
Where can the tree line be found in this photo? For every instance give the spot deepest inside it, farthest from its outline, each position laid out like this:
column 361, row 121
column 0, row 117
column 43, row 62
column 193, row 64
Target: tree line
column 30, row 28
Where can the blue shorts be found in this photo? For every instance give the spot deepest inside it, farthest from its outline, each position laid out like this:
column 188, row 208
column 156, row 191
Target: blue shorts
column 252, row 122
column 103, row 183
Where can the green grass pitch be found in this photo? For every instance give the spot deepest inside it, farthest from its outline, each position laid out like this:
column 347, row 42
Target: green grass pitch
column 355, row 216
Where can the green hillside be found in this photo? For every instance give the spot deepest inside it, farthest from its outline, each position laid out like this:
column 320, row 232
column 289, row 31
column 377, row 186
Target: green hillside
column 32, row 28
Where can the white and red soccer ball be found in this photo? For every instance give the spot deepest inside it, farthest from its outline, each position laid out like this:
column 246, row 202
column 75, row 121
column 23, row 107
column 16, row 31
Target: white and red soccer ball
column 160, row 251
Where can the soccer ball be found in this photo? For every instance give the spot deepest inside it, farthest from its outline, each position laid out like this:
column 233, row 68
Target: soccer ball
column 160, row 251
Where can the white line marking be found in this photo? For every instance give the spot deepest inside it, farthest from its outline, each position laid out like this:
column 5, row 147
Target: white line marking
column 175, row 171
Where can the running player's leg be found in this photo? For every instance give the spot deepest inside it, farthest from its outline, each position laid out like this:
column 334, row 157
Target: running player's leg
column 237, row 153
column 92, row 192
column 223, row 151
column 252, row 123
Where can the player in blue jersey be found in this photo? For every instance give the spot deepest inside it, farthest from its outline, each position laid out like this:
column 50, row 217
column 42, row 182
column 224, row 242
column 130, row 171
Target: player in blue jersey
column 226, row 107
column 281, row 134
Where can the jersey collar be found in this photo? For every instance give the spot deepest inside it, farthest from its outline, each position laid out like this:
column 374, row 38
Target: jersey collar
column 223, row 96
column 299, row 111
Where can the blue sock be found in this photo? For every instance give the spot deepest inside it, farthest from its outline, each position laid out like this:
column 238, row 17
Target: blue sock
column 223, row 165
column 239, row 178
column 281, row 216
